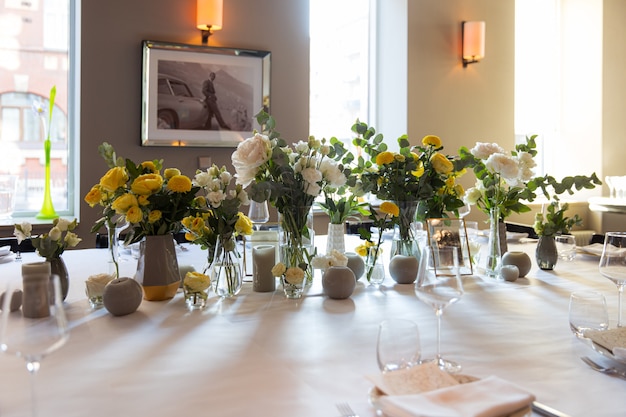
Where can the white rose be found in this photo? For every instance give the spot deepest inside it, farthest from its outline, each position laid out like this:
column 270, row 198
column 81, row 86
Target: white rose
column 202, row 179
column 504, row 165
column 55, row 233
column 313, row 190
column 22, row 231
column 242, row 196
column 311, row 175
column 279, row 269
column 294, row 275
column 526, row 165
column 339, row 259
column 485, row 150
column 215, row 198
column 332, row 173
column 472, row 195
column 72, row 239
column 225, row 177
column 95, row 284
column 301, row 147
column 62, row 224
column 249, row 156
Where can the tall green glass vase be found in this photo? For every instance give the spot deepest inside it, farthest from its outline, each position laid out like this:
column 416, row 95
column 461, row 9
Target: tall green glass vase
column 47, row 211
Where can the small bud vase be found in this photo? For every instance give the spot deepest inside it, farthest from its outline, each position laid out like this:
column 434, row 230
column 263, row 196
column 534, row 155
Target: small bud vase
column 494, row 254
column 546, row 253
column 226, row 272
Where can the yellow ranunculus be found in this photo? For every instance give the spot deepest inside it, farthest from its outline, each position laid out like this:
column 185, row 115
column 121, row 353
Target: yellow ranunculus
column 147, row 184
column 186, row 221
column 384, row 158
column 171, row 172
column 244, row 225
column 114, row 178
column 419, row 171
column 94, row 196
column 199, row 201
column 450, row 182
column 154, row 216
column 197, row 224
column 124, row 202
column 388, row 207
column 190, row 236
column 279, row 269
column 431, row 140
column 143, row 200
column 134, row 214
column 399, row 157
column 179, row 184
column 196, row 281
column 458, row 190
column 149, row 165
column 441, row 164
column 294, row 275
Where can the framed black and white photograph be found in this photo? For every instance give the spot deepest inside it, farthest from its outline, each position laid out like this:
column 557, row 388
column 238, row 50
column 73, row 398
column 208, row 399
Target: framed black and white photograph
column 196, row 95
column 451, row 232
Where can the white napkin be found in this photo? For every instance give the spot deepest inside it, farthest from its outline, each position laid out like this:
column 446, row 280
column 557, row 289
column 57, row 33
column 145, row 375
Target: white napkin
column 489, row 397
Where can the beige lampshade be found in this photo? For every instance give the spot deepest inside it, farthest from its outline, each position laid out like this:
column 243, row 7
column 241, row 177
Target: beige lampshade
column 473, row 41
column 209, row 14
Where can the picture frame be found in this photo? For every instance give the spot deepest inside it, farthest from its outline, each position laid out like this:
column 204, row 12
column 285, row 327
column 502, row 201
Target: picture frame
column 444, row 232
column 195, row 95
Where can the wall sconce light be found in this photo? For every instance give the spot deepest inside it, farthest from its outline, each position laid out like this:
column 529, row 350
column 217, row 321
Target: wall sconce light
column 209, row 17
column 473, row 39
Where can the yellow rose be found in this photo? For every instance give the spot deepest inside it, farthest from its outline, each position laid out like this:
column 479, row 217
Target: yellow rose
column 388, row 207
column 124, row 202
column 186, row 222
column 197, row 224
column 458, row 190
column 441, row 164
column 147, row 184
column 179, row 184
column 279, row 269
column 450, row 182
column 294, row 275
column 171, row 172
column 384, row 158
column 154, row 216
column 94, row 196
column 361, row 250
column 196, row 281
column 134, row 214
column 419, row 171
column 199, row 201
column 243, row 225
column 190, row 236
column 114, row 179
column 149, row 165
column 431, row 140
column 399, row 157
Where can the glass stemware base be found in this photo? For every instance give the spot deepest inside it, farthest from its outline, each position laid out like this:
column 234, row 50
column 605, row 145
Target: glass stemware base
column 445, row 365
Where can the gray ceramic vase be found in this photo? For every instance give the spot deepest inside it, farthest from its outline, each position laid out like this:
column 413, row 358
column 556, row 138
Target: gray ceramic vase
column 520, row 259
column 338, row 282
column 403, row 269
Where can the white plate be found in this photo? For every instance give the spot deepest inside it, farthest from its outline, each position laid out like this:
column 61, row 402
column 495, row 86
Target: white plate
column 7, row 258
column 5, row 250
column 595, row 249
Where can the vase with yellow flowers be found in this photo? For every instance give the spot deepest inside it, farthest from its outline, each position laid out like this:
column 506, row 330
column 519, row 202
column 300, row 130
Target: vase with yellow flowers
column 154, row 205
column 420, row 180
column 216, row 224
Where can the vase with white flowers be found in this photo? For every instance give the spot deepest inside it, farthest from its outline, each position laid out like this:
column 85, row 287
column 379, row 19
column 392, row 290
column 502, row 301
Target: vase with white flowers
column 51, row 245
column 290, row 177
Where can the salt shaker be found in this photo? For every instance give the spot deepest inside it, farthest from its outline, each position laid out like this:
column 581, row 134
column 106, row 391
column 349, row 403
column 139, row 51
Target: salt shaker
column 36, row 290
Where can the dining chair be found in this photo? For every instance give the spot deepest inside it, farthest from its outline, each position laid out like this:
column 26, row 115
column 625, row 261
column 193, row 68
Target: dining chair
column 25, row 246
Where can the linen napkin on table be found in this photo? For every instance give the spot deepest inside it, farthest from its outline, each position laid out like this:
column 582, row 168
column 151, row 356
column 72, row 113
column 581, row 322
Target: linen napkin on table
column 614, row 340
column 489, row 397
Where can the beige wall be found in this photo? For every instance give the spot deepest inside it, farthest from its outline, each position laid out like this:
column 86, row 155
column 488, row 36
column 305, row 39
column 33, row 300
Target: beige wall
column 460, row 105
column 111, row 74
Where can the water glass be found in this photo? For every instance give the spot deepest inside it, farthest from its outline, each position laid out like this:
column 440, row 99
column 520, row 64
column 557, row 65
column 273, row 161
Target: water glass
column 587, row 311
column 8, row 185
column 398, row 345
column 566, row 247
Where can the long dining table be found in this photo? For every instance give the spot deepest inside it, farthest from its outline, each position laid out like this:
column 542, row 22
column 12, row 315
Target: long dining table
column 260, row 354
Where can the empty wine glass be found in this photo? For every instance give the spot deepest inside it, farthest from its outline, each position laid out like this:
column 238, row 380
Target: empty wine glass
column 439, row 285
column 258, row 213
column 613, row 265
column 464, row 210
column 38, row 328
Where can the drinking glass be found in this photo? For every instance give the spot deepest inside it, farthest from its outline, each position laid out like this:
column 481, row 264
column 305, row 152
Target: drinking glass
column 258, row 213
column 613, row 265
column 33, row 338
column 587, row 311
column 398, row 345
column 439, row 285
column 566, row 247
column 464, row 210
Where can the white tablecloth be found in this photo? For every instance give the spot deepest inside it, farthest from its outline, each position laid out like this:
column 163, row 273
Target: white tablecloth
column 261, row 354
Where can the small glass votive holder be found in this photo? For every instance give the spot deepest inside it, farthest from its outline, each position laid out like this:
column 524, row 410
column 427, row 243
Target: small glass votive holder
column 94, row 289
column 566, row 247
column 587, row 311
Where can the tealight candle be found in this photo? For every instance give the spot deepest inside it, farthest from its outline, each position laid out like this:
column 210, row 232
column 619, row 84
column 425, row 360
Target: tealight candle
column 509, row 272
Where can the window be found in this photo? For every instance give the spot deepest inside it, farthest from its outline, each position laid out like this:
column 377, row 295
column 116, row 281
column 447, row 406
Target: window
column 39, row 47
column 339, row 77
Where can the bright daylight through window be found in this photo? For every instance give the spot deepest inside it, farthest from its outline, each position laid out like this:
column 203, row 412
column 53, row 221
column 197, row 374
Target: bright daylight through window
column 35, row 55
column 339, row 59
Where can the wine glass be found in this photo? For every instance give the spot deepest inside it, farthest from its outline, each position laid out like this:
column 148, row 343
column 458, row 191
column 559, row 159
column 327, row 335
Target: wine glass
column 613, row 265
column 439, row 285
column 38, row 328
column 258, row 213
column 464, row 210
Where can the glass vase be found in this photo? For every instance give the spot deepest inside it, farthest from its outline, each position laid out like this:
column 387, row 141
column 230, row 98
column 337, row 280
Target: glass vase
column 114, row 228
column 296, row 237
column 374, row 266
column 195, row 300
column 546, row 253
column 157, row 267
column 226, row 272
column 494, row 254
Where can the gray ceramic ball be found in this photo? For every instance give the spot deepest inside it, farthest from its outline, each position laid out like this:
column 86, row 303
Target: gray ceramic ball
column 338, row 282
column 520, row 259
column 356, row 264
column 122, row 296
column 509, row 272
column 16, row 300
column 403, row 269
